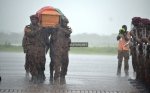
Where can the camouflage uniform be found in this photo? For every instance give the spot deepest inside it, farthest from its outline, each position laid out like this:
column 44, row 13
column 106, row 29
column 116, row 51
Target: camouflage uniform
column 59, row 47
column 66, row 48
column 147, row 63
column 35, row 51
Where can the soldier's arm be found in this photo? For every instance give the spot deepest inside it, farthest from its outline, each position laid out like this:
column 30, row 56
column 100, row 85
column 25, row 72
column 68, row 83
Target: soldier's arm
column 119, row 36
column 68, row 32
column 24, row 44
column 23, row 41
column 29, row 32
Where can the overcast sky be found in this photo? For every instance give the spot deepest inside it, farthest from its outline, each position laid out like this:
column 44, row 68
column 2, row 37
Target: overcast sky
column 102, row 17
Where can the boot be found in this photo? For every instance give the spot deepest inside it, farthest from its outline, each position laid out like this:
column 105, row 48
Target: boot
column 118, row 73
column 34, row 79
column 62, row 80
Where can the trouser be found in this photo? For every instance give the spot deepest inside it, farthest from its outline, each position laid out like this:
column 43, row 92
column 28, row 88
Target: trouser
column 51, row 66
column 55, row 66
column 123, row 55
column 37, row 63
column 64, row 66
column 59, row 64
column 147, row 71
column 27, row 63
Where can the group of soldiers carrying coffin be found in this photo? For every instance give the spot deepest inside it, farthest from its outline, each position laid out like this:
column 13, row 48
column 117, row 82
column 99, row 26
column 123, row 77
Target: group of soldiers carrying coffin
column 36, row 43
column 140, row 49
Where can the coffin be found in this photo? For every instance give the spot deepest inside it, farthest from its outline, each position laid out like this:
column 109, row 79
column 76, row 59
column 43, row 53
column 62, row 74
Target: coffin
column 48, row 17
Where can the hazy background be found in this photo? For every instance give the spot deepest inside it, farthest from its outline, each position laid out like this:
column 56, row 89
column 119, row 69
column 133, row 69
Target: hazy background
column 102, row 17
column 89, row 19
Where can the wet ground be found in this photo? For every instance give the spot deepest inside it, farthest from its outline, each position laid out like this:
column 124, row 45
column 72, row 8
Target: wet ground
column 86, row 74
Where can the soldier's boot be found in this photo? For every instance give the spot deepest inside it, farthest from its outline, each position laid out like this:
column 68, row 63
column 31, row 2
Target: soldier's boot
column 56, row 79
column 62, row 78
column 34, row 79
column 41, row 77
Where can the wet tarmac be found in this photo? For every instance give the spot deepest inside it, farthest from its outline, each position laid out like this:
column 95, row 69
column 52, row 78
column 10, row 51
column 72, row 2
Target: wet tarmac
column 86, row 74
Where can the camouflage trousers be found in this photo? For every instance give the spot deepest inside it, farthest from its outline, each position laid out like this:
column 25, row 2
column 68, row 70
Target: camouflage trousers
column 36, row 59
column 27, row 63
column 59, row 64
column 147, row 71
column 123, row 55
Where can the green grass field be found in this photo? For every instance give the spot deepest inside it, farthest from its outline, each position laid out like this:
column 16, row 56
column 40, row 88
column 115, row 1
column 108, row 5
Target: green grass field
column 73, row 50
column 9, row 48
column 93, row 50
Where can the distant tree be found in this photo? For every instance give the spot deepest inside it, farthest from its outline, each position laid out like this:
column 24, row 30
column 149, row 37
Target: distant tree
column 7, row 44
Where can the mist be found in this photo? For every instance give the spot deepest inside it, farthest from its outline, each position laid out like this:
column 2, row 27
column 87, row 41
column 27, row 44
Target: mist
column 102, row 17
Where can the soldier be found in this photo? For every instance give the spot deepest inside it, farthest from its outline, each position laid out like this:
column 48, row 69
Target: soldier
column 59, row 47
column 35, row 51
column 66, row 47
column 123, row 50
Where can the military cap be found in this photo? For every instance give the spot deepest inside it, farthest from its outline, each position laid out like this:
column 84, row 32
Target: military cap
column 34, row 16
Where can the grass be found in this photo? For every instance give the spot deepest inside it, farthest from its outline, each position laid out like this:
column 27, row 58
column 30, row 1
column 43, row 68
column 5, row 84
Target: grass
column 10, row 48
column 73, row 50
column 93, row 50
